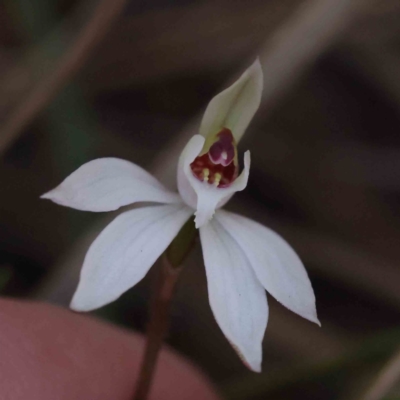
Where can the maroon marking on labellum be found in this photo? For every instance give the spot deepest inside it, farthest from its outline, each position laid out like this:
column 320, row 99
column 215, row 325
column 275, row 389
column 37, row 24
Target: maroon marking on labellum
column 223, row 150
column 217, row 166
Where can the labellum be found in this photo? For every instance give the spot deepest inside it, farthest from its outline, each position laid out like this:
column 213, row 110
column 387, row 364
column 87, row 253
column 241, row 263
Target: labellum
column 219, row 165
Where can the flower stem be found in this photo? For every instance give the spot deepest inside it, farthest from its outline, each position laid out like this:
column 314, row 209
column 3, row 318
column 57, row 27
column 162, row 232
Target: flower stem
column 157, row 327
column 161, row 304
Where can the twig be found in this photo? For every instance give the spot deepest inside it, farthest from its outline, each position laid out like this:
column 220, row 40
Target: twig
column 386, row 379
column 104, row 15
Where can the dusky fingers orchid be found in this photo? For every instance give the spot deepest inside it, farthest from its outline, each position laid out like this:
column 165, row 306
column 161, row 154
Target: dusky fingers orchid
column 242, row 258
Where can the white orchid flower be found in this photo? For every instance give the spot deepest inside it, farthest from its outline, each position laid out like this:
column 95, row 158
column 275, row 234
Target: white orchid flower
column 242, row 258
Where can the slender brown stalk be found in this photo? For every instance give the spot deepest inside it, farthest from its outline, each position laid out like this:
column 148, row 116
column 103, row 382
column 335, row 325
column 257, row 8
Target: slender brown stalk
column 161, row 303
column 104, row 15
column 158, row 325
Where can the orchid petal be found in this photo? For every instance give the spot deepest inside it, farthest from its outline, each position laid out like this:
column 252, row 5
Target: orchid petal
column 237, row 298
column 107, row 184
column 124, row 252
column 275, row 263
column 203, row 197
column 189, row 153
column 235, row 106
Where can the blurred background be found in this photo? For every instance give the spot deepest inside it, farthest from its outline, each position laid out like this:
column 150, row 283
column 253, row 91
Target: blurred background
column 86, row 79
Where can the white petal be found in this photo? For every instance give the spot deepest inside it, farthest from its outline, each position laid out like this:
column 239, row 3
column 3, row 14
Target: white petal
column 235, row 106
column 106, row 184
column 237, row 299
column 124, row 252
column 275, row 263
column 201, row 196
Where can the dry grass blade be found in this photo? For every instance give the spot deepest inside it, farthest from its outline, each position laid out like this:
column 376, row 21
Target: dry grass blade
column 298, row 43
column 103, row 16
column 385, row 381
